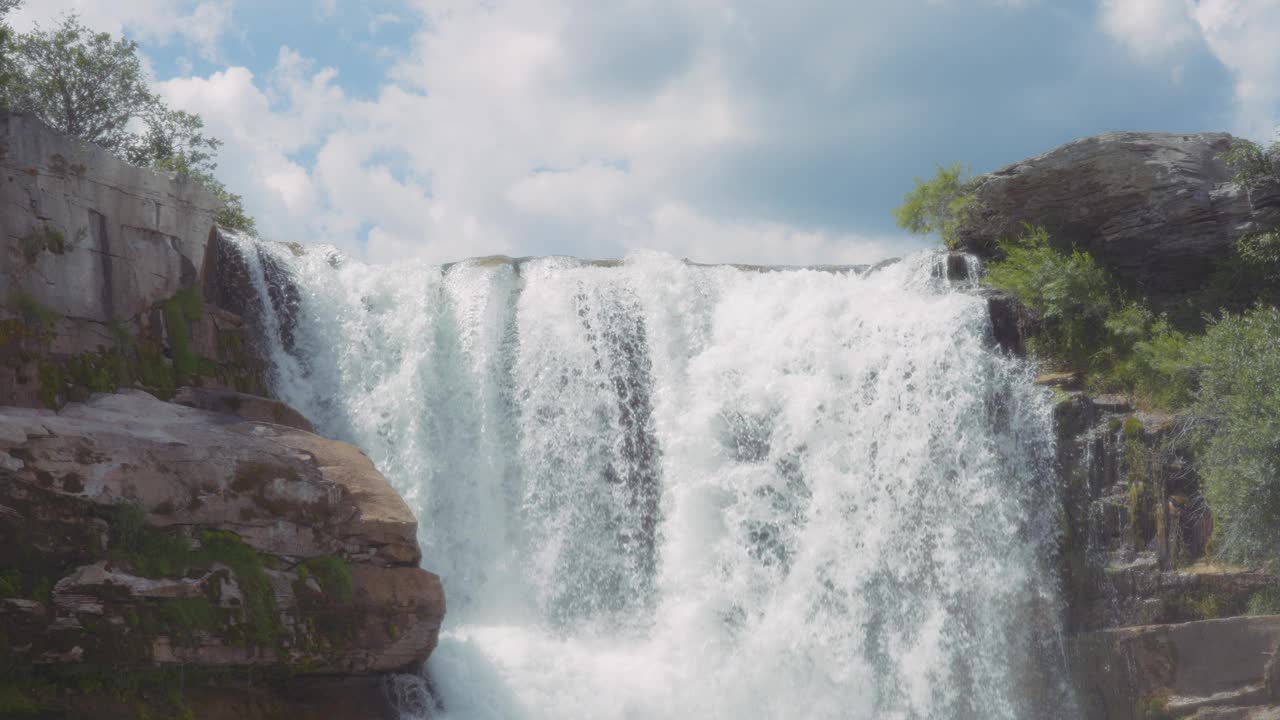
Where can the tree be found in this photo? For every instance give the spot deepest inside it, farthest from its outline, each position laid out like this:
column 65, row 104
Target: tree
column 173, row 141
column 83, row 84
column 91, row 86
column 939, row 205
column 8, row 71
column 1253, row 164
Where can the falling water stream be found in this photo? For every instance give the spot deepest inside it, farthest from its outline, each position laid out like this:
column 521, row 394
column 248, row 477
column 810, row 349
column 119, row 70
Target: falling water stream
column 660, row 490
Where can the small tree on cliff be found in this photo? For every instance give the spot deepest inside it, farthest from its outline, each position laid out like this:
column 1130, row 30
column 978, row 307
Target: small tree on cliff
column 83, row 84
column 173, row 141
column 938, row 205
column 91, row 86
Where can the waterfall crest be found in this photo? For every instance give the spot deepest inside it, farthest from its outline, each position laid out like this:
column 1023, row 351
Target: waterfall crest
column 660, row 490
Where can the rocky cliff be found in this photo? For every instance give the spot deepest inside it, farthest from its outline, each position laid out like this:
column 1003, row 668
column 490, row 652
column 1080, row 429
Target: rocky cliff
column 1157, row 630
column 174, row 543
column 1158, row 209
column 102, row 272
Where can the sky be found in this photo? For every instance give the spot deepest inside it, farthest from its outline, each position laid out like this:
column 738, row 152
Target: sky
column 718, row 130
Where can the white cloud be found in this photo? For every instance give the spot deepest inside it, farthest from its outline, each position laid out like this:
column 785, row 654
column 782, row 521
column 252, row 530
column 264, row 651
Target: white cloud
column 1152, row 29
column 199, row 22
column 1241, row 34
column 716, row 129
column 682, row 232
column 381, row 20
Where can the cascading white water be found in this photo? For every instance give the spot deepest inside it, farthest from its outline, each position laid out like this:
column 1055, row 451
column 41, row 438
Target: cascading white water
column 659, row 490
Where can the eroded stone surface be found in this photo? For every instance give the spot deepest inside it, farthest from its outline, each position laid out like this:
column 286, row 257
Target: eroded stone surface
column 293, row 552
column 1158, row 209
column 285, row 491
column 100, row 239
column 1193, row 666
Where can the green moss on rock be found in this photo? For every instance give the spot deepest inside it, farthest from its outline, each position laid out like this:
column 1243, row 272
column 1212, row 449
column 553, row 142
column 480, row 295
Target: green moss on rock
column 43, row 239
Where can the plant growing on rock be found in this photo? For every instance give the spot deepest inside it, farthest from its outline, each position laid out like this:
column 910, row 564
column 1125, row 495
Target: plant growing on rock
column 1088, row 324
column 1070, row 292
column 1239, row 393
column 940, row 204
column 1252, row 163
column 91, row 86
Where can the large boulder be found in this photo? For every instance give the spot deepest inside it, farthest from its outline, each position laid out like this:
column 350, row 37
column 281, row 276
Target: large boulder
column 1158, row 209
column 141, row 534
column 1196, row 668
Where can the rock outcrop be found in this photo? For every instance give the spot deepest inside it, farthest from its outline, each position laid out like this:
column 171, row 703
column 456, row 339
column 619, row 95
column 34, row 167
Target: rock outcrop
column 1158, row 209
column 210, row 556
column 102, row 270
column 143, row 534
column 1154, row 629
column 1210, row 669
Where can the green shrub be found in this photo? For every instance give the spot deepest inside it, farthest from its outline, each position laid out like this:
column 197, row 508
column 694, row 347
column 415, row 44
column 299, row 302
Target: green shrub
column 1265, row 602
column 1252, row 163
column 1087, row 324
column 1157, row 367
column 939, row 205
column 40, row 240
column 334, row 576
column 40, row 320
column 1239, row 359
column 1071, row 293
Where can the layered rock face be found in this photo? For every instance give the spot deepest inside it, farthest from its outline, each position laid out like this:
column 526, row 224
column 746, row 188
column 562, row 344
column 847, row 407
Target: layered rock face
column 102, row 267
column 1156, row 629
column 145, row 534
column 1158, row 209
column 209, row 556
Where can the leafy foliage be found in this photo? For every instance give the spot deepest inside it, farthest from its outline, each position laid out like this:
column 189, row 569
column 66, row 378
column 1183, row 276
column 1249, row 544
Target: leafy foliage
column 173, row 141
column 1071, row 293
column 939, row 205
column 8, row 71
column 83, row 84
column 1263, row 251
column 1239, row 393
column 1087, row 323
column 92, row 86
column 1252, row 163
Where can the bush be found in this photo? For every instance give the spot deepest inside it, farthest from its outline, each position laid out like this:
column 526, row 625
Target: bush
column 1071, row 293
column 938, row 205
column 1148, row 358
column 1252, row 163
column 1239, row 394
column 1118, row 345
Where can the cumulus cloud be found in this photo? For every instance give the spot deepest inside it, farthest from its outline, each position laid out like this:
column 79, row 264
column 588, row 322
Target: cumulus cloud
column 1243, row 35
column 202, row 23
column 720, row 130
column 1153, row 29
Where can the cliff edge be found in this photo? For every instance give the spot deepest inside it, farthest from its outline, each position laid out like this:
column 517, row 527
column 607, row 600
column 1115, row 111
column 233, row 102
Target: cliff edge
column 175, row 542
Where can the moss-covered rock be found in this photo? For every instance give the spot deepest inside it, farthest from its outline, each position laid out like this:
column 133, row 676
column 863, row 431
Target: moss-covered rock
column 188, row 540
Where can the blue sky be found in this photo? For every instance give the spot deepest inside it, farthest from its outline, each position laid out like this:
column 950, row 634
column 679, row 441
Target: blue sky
column 720, row 130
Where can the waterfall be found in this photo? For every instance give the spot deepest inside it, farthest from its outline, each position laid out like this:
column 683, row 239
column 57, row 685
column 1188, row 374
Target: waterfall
column 661, row 490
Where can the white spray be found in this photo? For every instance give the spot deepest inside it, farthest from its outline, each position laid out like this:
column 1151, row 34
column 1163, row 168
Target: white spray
column 659, row 490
